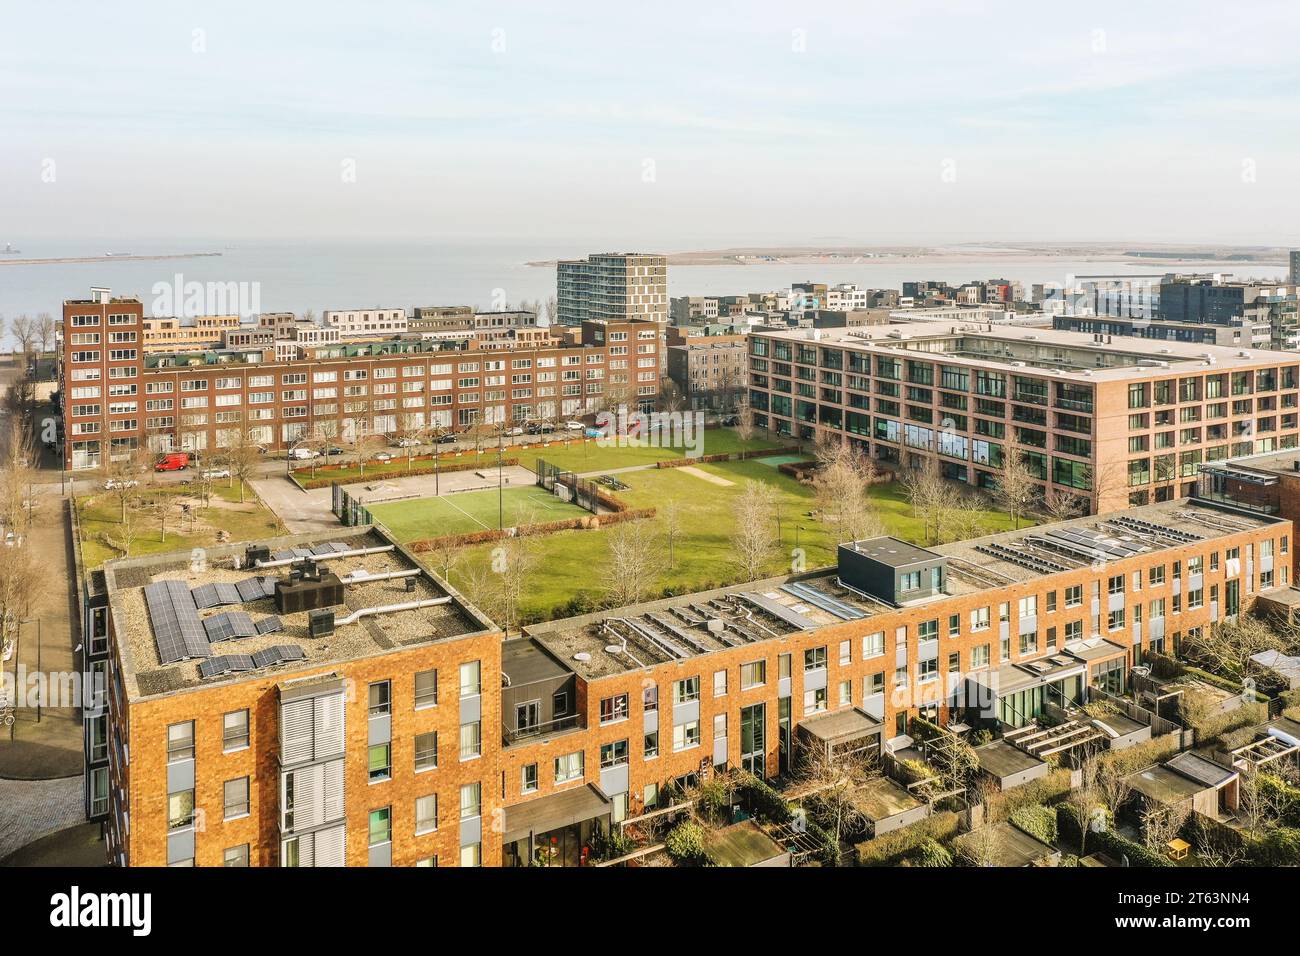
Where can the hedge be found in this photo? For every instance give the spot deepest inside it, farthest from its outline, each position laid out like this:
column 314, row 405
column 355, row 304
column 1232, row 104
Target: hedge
column 929, row 853
column 1037, row 820
column 307, row 484
column 1223, row 683
column 729, row 456
column 1108, row 842
column 763, row 800
column 890, row 849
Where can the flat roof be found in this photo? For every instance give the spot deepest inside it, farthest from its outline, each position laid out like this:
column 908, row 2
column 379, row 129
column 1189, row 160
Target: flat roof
column 1164, row 785
column 146, row 675
column 553, row 811
column 893, row 551
column 1015, row 847
column 741, row 844
column 1002, row 760
column 840, row 725
column 524, row 661
column 881, row 798
column 1073, row 356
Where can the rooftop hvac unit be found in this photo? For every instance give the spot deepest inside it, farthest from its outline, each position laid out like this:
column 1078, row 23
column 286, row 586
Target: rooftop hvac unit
column 306, row 594
column 254, row 553
column 320, row 623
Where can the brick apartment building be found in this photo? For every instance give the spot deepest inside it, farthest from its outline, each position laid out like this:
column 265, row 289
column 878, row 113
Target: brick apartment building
column 409, row 733
column 1117, row 422
column 709, row 370
column 119, row 397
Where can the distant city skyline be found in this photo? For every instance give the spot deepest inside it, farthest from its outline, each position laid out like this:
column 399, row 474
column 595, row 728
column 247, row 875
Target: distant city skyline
column 662, row 128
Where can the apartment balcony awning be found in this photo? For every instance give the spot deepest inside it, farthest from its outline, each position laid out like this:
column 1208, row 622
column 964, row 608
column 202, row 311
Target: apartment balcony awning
column 552, row 812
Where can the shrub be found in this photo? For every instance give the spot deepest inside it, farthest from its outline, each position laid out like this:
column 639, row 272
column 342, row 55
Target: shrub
column 1280, row 847
column 762, row 800
column 889, row 849
column 1037, row 820
column 1108, row 841
column 930, row 852
column 611, row 843
column 685, row 844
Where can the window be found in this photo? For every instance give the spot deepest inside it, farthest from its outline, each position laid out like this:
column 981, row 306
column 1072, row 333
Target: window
column 814, row 658
column 381, row 826
column 719, row 726
column 528, row 779
column 471, row 800
column 471, row 683
column 380, row 762
column 873, row 645
column 1115, row 619
column 471, row 855
column 719, row 683
column 1074, row 595
column 569, row 767
column 613, row 754
column 234, row 731
column 426, row 751
column 979, row 619
column 426, row 689
column 381, row 698
column 1156, row 576
column 236, row 798
column 471, row 740
column 651, row 744
column 180, row 809
column 426, row 814
column 686, row 735
column 954, row 625
column 180, row 741
column 846, row 693
column 814, row 701
column 235, row 855
column 685, row 691
column 979, row 656
column 613, row 709
column 1051, row 602
column 753, row 674
column 650, row 698
column 560, row 703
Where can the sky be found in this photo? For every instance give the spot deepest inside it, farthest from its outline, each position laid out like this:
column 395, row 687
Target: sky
column 669, row 124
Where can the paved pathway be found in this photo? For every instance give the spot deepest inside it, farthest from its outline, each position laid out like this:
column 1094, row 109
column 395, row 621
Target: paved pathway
column 30, row 809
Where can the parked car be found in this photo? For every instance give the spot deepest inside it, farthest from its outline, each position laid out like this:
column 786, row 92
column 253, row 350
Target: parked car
column 574, row 426
column 334, row 450
column 731, row 420
column 446, row 439
column 383, row 456
column 406, row 443
column 173, row 461
column 211, row 473
column 517, row 430
column 539, row 428
column 118, row 484
column 303, row 454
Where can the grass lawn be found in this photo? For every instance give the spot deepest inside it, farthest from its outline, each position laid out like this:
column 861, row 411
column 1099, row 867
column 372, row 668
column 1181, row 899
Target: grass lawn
column 576, row 455
column 101, row 517
column 571, row 559
column 470, row 511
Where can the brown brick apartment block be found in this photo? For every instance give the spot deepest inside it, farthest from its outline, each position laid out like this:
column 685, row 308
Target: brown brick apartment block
column 1117, row 422
column 405, row 731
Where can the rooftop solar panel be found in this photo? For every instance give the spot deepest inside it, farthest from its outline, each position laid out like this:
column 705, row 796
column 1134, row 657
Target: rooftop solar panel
column 279, row 654
column 269, row 625
column 256, row 588
column 225, row 664
column 229, row 625
column 178, row 633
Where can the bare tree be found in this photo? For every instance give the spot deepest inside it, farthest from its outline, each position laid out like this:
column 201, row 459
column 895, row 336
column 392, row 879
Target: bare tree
column 123, row 475
column 931, row 496
column 1161, row 823
column 754, row 540
column 670, row 528
column 17, row 473
column 981, row 847
column 446, row 553
column 1113, row 788
column 1227, row 646
column 630, row 565
column 1017, row 486
column 834, row 783
column 22, row 578
column 841, row 487
column 1080, row 803
column 45, row 329
column 1258, row 805
column 745, row 429
column 242, row 458
column 1061, row 505
column 25, row 334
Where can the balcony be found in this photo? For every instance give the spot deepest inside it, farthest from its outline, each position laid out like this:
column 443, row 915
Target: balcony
column 543, row 729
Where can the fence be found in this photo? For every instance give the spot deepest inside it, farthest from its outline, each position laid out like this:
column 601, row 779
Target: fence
column 583, row 493
column 348, row 509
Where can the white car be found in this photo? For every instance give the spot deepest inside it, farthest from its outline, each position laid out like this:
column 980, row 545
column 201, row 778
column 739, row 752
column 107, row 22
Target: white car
column 517, row 430
column 211, row 473
column 303, row 454
column 406, row 443
column 383, row 456
column 117, row 484
column 574, row 426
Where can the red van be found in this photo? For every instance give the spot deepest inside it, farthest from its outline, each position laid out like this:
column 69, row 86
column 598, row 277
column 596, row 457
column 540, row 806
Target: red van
column 176, row 461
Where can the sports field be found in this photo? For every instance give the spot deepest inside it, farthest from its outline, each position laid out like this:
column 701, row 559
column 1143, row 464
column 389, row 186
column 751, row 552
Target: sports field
column 470, row 511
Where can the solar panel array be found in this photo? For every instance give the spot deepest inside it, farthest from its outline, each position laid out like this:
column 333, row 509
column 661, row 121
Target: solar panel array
column 256, row 588
column 279, row 654
column 215, row 595
column 269, row 625
column 321, row 550
column 177, row 630
column 229, row 625
column 225, row 664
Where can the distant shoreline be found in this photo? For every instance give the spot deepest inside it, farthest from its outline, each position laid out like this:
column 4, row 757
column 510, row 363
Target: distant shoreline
column 46, row 262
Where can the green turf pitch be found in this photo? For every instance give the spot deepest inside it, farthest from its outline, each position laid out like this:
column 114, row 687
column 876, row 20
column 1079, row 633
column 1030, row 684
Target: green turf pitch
column 470, row 511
